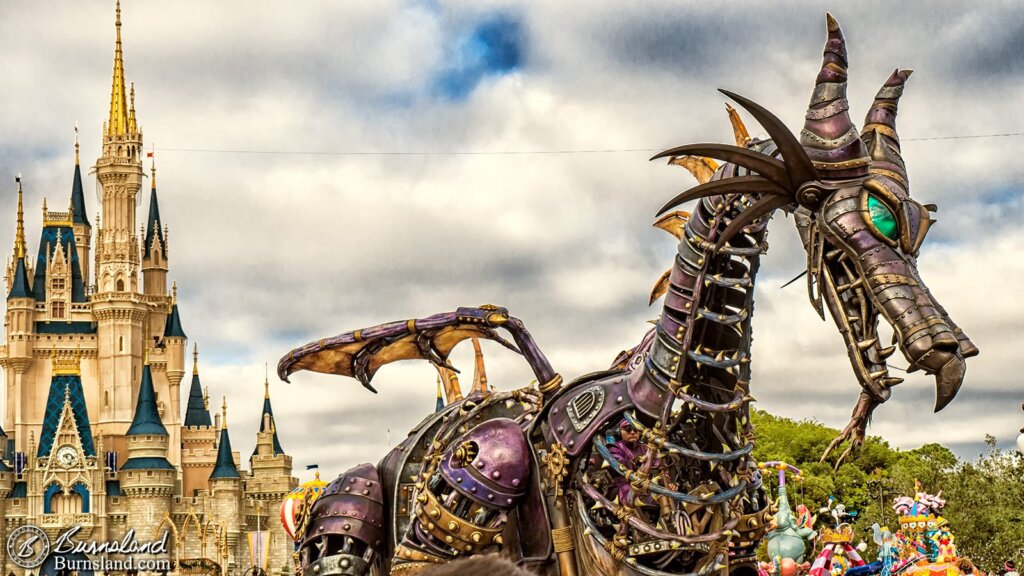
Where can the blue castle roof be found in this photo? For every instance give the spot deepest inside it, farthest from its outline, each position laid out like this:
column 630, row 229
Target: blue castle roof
column 19, row 285
column 61, row 384
column 147, row 419
column 225, row 466
column 78, row 199
column 47, row 245
column 196, row 413
column 173, row 325
column 153, row 226
column 267, row 410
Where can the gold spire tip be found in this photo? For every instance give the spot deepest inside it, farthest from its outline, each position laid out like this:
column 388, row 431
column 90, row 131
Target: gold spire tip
column 195, row 359
column 19, row 239
column 145, row 358
column 76, row 144
column 224, row 413
column 174, row 293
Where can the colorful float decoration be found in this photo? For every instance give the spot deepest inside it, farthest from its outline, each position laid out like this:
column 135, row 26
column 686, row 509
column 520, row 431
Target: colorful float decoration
column 297, row 502
column 838, row 554
column 790, row 533
column 924, row 542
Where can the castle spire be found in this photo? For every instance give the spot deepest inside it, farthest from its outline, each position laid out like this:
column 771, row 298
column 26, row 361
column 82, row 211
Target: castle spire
column 267, row 417
column 154, row 233
column 225, row 466
column 19, row 283
column 118, row 121
column 197, row 412
column 147, row 418
column 78, row 215
column 173, row 326
column 19, row 238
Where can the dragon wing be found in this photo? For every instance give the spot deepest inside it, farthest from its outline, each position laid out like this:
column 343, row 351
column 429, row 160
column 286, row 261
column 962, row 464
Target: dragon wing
column 360, row 353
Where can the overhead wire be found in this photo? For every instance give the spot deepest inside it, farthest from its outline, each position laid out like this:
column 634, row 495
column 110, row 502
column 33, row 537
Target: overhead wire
column 504, row 152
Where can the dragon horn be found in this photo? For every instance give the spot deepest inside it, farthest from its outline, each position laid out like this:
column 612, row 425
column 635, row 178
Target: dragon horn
column 829, row 136
column 798, row 165
column 879, row 132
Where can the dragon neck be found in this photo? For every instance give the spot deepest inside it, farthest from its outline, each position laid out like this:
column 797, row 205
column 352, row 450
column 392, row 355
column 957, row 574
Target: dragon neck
column 699, row 358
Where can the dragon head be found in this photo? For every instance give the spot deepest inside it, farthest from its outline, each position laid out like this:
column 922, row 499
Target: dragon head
column 862, row 232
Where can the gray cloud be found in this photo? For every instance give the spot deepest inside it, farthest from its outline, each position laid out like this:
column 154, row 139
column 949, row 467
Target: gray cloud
column 273, row 250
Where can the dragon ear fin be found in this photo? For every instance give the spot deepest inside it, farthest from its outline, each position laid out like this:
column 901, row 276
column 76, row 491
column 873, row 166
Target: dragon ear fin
column 674, row 223
column 701, row 168
column 739, row 131
column 660, row 287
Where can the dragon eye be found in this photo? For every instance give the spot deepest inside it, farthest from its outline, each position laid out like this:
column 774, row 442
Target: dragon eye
column 882, row 217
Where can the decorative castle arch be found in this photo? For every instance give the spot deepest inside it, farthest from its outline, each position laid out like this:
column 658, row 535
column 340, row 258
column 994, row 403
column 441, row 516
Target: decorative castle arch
column 206, row 562
column 57, row 500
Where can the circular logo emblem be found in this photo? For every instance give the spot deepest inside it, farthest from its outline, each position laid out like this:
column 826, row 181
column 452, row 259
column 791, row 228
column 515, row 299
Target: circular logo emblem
column 28, row 546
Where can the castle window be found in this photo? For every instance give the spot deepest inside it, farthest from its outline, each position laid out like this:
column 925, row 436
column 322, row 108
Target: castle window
column 57, row 310
column 57, row 284
column 106, row 398
column 120, row 344
column 120, row 285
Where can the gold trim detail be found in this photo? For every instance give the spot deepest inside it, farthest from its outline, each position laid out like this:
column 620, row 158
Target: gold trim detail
column 563, row 539
column 551, row 385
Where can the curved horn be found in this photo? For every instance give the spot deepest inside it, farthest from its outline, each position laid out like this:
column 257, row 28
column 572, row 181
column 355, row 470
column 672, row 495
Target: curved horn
column 879, row 132
column 829, row 136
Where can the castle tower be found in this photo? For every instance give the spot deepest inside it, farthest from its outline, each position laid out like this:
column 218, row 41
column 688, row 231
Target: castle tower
column 147, row 477
column 226, row 489
column 120, row 310
column 79, row 219
column 198, row 438
column 154, row 259
column 269, row 481
column 19, row 323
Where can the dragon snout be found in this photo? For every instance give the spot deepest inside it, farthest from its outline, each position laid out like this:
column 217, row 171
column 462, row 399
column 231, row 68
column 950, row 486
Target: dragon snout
column 941, row 351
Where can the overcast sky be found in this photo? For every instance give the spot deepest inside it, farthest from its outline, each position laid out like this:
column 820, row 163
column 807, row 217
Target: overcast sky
column 272, row 247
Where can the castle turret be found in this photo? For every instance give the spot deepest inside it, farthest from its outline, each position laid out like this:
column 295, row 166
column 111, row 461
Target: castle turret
column 19, row 323
column 154, row 263
column 198, row 438
column 270, row 479
column 267, row 424
column 119, row 308
column 147, row 477
column 226, row 485
column 174, row 341
column 80, row 221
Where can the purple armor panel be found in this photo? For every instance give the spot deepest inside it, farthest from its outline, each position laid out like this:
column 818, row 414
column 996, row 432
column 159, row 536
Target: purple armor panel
column 489, row 464
column 345, row 525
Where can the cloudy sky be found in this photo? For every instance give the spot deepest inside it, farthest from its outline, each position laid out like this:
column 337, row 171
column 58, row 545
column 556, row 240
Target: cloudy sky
column 292, row 218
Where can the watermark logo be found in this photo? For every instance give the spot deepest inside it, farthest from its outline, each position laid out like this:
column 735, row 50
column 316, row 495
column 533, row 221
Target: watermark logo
column 28, row 546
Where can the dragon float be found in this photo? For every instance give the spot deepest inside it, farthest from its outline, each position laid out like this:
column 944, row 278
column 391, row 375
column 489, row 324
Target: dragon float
column 531, row 473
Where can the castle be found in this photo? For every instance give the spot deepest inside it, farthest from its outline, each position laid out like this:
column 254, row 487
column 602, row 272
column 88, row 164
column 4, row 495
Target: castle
column 94, row 432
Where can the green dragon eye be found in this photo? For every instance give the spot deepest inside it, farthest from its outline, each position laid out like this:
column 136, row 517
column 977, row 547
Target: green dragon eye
column 882, row 217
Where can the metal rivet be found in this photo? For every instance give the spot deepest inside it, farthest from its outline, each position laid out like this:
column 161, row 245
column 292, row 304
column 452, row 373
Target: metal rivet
column 496, row 475
column 618, row 400
column 515, row 481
